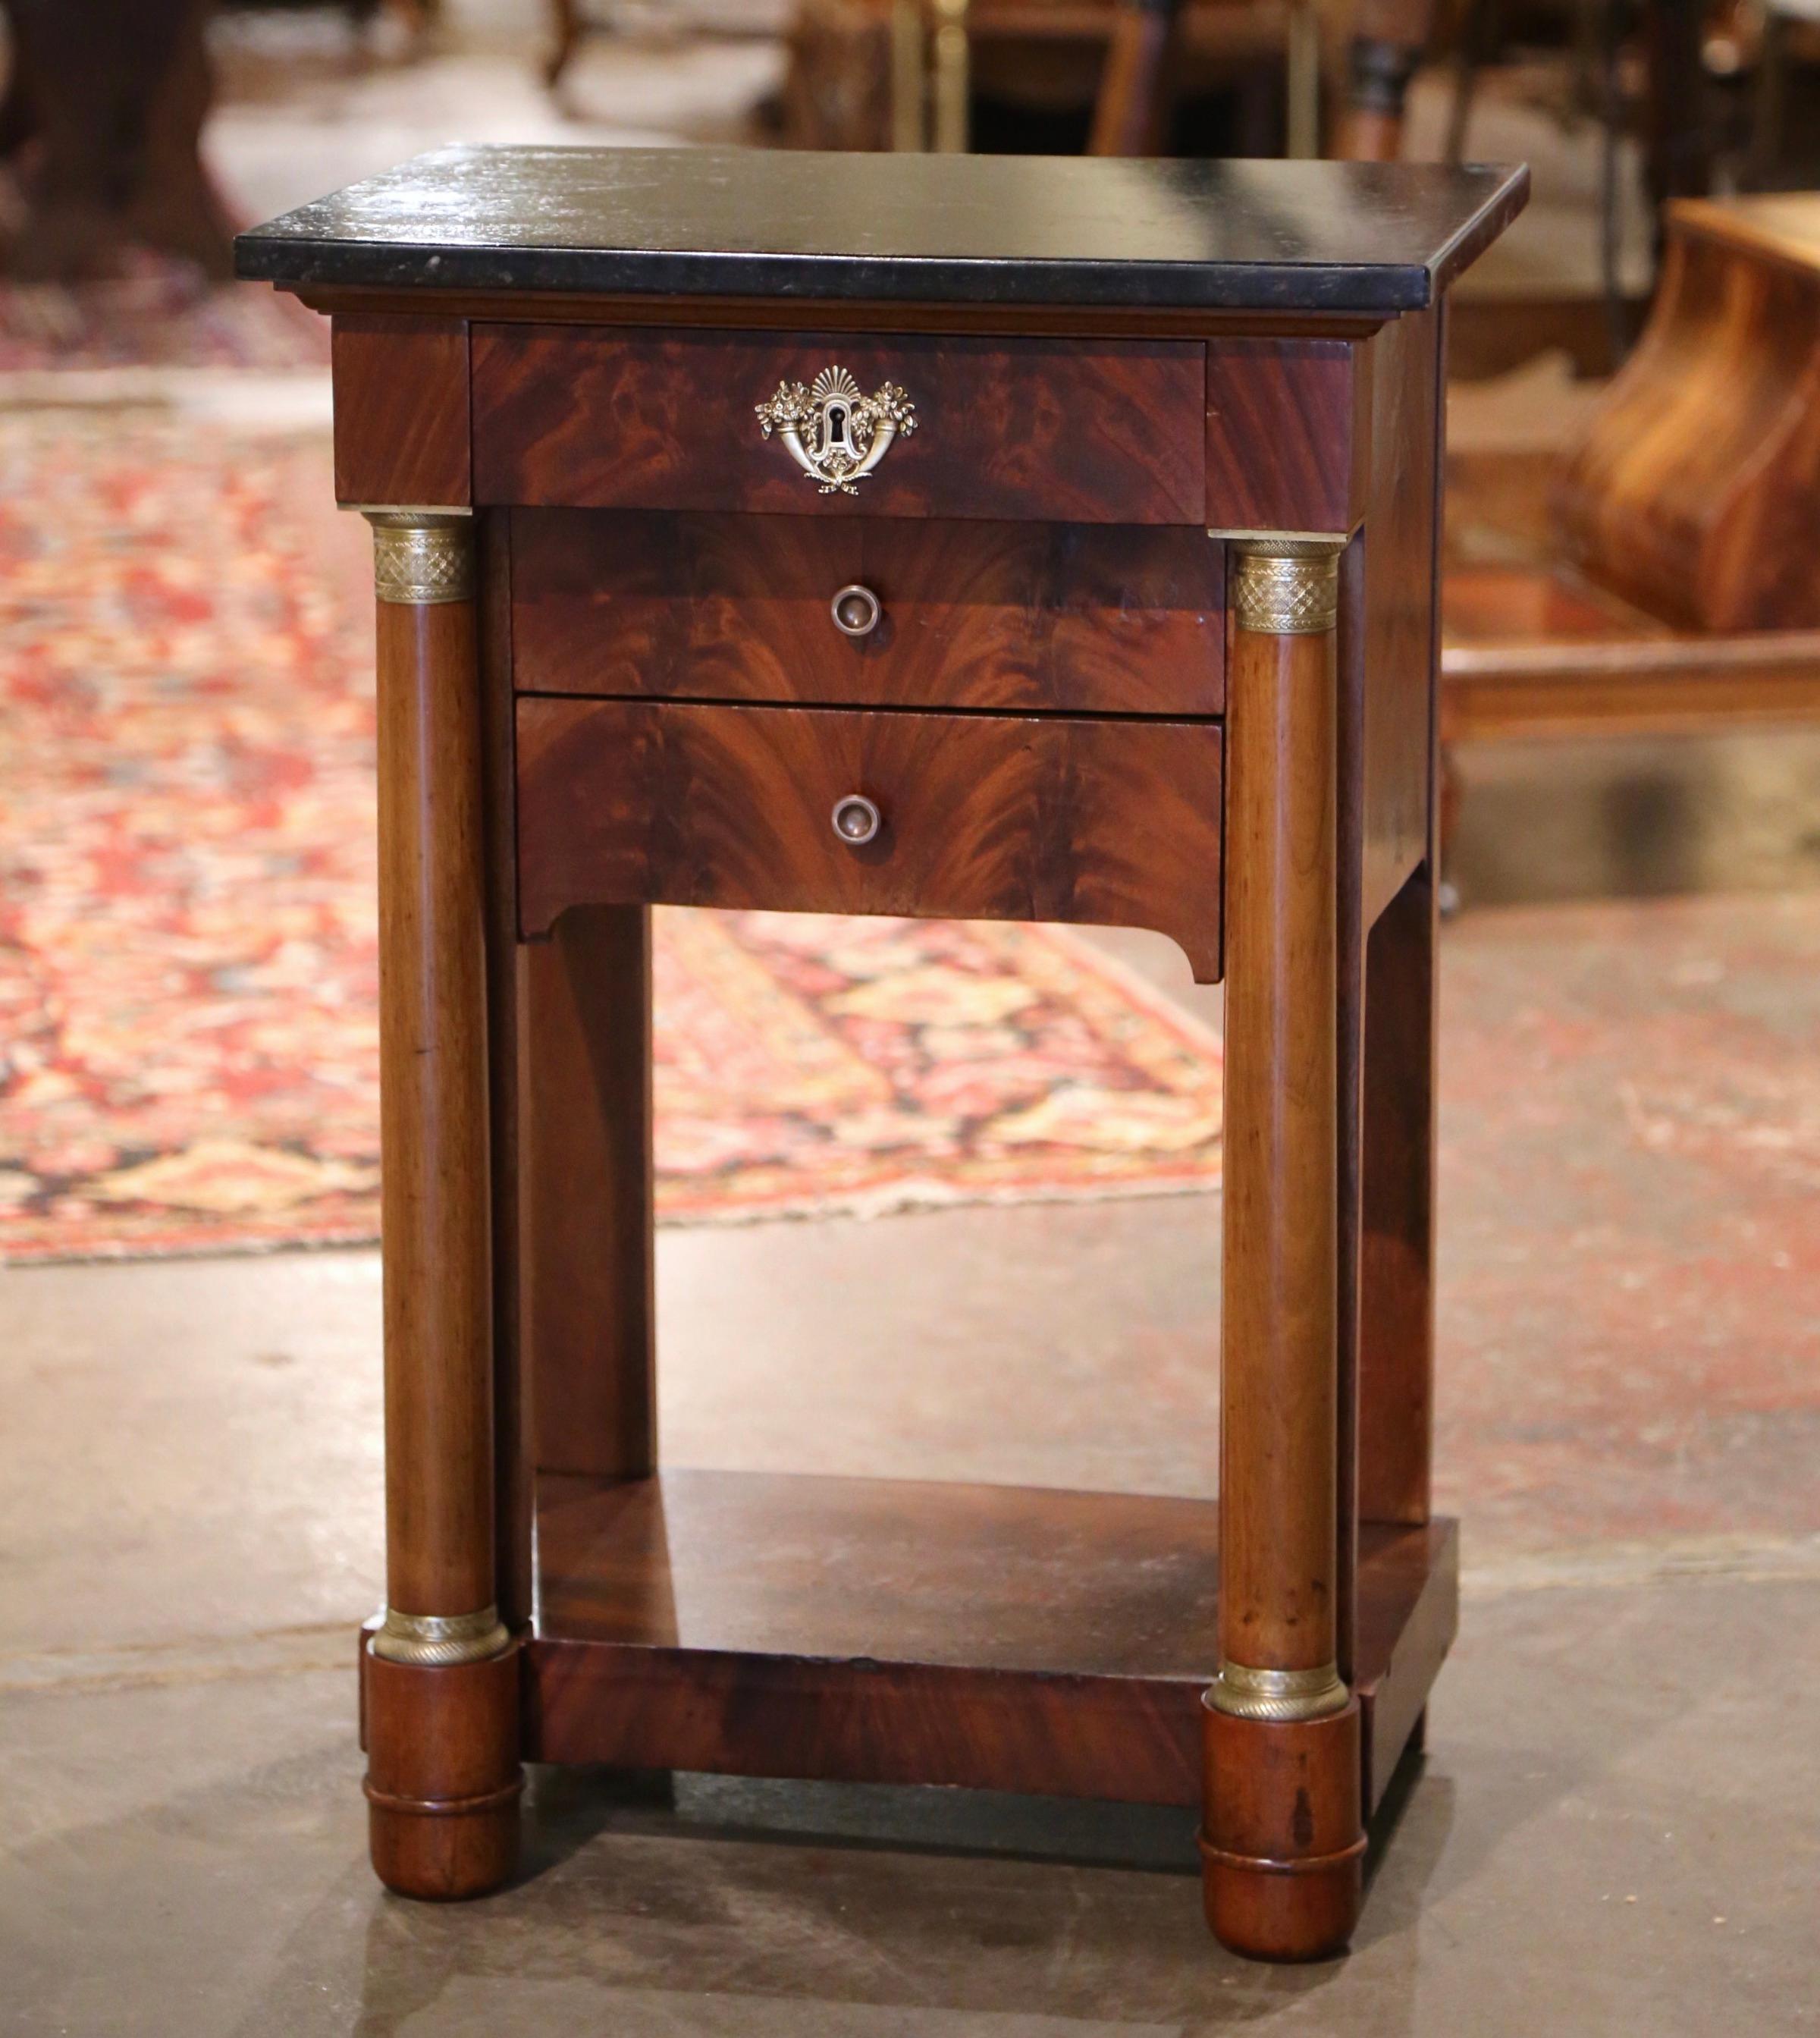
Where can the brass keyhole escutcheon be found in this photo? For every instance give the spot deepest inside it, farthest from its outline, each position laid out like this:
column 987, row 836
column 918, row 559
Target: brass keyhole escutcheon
column 836, row 434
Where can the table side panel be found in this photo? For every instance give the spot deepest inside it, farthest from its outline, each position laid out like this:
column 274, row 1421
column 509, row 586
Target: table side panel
column 1077, row 431
column 1398, row 636
column 1416, row 1571
column 1031, row 617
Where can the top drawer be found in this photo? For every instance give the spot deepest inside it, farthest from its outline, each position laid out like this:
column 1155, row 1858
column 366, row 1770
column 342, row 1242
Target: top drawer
column 1065, row 431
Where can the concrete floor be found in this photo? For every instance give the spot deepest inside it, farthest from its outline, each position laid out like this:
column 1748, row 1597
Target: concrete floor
column 1596, row 1847
column 1617, row 1829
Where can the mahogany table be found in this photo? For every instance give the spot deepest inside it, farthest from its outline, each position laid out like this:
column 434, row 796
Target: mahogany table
column 980, row 537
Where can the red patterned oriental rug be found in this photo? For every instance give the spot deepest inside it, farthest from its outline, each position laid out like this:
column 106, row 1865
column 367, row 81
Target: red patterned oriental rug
column 156, row 314
column 187, row 1050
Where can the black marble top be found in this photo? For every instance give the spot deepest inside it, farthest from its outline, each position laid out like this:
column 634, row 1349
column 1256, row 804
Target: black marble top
column 1310, row 236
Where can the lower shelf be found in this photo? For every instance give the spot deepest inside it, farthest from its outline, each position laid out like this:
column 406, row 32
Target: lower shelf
column 884, row 1631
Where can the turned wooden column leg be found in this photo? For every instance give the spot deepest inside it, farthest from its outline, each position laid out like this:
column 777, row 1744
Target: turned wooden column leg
column 1282, row 1835
column 441, row 1673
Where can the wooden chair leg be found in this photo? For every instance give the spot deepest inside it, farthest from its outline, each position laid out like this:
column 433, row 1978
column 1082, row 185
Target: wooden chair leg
column 1282, row 1835
column 1769, row 111
column 440, row 1673
column 1449, row 795
column 1129, row 112
column 565, row 20
column 1378, row 83
column 951, row 83
column 1389, row 38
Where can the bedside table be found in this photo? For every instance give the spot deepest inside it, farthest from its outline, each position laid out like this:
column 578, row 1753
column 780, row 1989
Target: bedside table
column 985, row 537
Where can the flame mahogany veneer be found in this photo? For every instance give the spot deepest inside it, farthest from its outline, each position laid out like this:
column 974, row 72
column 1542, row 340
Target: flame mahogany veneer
column 1080, row 619
column 988, row 817
column 1119, row 371
column 1038, row 1640
column 1084, row 431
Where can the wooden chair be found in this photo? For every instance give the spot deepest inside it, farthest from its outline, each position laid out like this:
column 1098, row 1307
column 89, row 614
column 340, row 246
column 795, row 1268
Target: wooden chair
column 1143, row 45
column 904, row 74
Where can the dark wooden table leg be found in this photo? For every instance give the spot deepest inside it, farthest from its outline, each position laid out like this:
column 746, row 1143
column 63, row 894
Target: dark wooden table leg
column 440, row 1673
column 1283, row 1836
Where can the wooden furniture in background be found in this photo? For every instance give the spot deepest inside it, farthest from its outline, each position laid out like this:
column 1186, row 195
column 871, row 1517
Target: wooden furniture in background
column 1132, row 102
column 900, row 74
column 908, row 73
column 1784, row 57
column 1661, row 578
column 1074, row 558
column 105, row 102
column 569, row 28
column 1389, row 38
column 1697, row 492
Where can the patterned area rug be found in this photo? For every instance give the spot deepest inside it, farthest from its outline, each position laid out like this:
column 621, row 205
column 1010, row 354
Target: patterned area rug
column 187, row 957
column 158, row 314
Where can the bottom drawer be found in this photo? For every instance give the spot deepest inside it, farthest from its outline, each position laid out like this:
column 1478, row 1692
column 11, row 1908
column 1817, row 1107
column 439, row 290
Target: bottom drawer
column 837, row 810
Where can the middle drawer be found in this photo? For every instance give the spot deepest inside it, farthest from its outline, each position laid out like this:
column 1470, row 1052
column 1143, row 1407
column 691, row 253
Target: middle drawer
column 1069, row 617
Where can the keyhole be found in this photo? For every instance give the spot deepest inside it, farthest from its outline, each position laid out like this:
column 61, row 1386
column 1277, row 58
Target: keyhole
column 837, row 425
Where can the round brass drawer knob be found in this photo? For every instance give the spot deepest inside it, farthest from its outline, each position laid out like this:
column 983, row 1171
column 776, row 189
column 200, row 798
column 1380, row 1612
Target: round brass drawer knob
column 856, row 819
column 856, row 611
